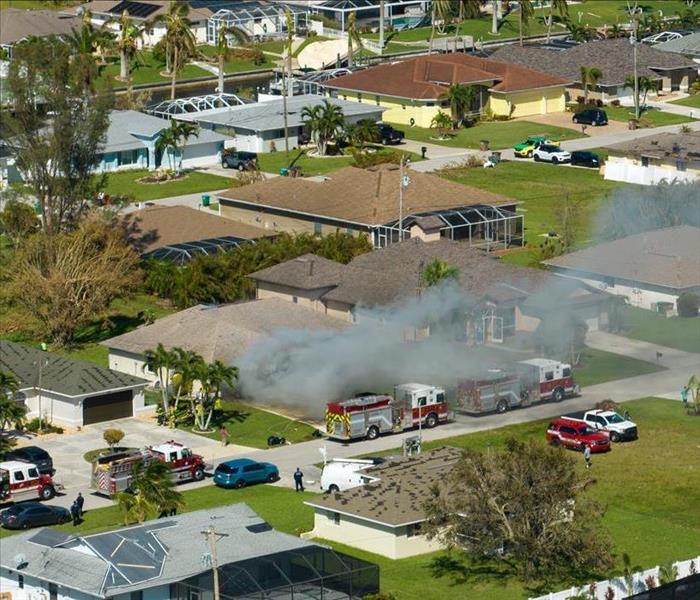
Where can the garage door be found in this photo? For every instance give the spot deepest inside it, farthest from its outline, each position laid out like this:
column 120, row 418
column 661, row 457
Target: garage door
column 97, row 409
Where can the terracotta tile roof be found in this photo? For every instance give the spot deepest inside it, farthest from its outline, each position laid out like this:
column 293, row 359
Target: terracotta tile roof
column 399, row 496
column 427, row 77
column 157, row 226
column 667, row 257
column 365, row 196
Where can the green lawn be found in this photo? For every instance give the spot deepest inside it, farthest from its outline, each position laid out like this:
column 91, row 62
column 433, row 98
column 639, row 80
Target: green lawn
column 674, row 332
column 500, row 134
column 541, row 189
column 123, row 183
column 236, row 64
column 251, row 426
column 693, row 101
column 653, row 117
column 148, row 71
column 597, row 366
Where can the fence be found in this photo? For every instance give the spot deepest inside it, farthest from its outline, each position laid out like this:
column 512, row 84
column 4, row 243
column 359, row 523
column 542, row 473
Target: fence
column 598, row 590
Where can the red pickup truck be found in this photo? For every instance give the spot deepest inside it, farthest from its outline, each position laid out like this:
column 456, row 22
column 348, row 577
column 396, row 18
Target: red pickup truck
column 577, row 435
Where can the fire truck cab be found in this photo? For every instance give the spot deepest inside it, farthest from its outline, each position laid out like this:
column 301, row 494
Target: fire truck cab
column 547, row 379
column 180, row 460
column 21, row 480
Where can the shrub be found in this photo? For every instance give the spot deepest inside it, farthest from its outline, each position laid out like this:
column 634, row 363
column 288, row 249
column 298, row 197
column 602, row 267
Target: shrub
column 33, row 426
column 113, row 436
column 688, row 305
column 364, row 160
column 650, row 582
column 607, row 405
column 615, row 103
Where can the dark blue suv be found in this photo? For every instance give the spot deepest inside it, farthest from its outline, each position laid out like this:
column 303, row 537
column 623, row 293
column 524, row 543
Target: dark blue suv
column 243, row 471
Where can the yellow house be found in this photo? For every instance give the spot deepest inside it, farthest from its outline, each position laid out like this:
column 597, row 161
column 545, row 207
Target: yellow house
column 412, row 91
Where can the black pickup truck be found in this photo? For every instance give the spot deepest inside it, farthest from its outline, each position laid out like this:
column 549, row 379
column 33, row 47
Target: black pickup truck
column 388, row 135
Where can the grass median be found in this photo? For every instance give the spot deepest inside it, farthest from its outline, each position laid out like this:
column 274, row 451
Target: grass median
column 125, row 183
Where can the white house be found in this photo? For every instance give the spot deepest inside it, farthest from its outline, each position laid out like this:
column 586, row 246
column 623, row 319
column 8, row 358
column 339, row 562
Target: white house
column 73, row 392
column 650, row 160
column 650, row 269
column 171, row 559
column 259, row 127
column 385, row 516
column 131, row 144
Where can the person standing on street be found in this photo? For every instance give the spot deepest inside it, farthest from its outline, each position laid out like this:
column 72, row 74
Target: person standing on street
column 587, row 456
column 75, row 513
column 80, row 501
column 223, row 432
column 684, row 396
column 299, row 480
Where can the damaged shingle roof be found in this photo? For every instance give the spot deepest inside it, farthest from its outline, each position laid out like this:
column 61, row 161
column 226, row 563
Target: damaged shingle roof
column 399, row 496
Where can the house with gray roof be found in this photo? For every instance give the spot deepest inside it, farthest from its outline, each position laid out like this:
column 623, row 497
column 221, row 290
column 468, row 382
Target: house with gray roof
column 386, row 514
column 131, row 144
column 260, row 126
column 614, row 57
column 171, row 559
column 221, row 332
column 688, row 45
column 650, row 269
column 70, row 391
column 17, row 24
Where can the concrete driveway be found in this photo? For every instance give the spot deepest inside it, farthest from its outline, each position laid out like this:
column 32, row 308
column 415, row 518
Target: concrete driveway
column 563, row 119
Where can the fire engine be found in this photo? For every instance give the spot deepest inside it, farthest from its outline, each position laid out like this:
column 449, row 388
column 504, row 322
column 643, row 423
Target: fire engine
column 532, row 381
column 21, row 480
column 111, row 473
column 369, row 415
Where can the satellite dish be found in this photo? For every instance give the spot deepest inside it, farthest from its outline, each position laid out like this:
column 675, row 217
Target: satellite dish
column 20, row 561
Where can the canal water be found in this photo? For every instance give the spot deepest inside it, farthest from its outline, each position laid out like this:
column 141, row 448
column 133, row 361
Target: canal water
column 246, row 87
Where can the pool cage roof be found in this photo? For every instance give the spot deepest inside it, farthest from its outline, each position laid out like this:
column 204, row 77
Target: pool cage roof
column 186, row 251
column 313, row 572
column 462, row 216
column 360, row 5
column 248, row 12
column 194, row 104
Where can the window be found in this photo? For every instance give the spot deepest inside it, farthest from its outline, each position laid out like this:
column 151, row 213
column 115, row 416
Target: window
column 645, row 161
column 173, row 457
column 568, row 430
column 336, row 518
column 18, row 475
column 20, row 581
column 440, row 398
column 193, row 595
column 680, row 165
column 33, row 473
column 566, row 372
column 549, row 375
column 136, row 595
column 422, row 401
column 414, row 529
column 128, row 157
column 318, row 228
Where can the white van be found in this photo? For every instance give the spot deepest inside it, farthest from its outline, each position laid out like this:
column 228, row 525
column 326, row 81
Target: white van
column 344, row 473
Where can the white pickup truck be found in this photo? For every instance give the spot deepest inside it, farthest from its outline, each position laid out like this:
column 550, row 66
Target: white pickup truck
column 341, row 474
column 619, row 428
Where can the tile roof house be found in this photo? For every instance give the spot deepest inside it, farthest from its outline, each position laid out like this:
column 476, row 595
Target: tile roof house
column 512, row 297
column 411, row 90
column 613, row 57
column 222, row 332
column 71, row 391
column 649, row 268
column 651, row 160
column 384, row 516
column 367, row 201
column 170, row 558
column 178, row 233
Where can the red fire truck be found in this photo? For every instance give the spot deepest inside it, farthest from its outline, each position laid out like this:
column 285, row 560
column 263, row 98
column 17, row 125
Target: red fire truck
column 111, row 473
column 369, row 415
column 533, row 381
column 21, row 480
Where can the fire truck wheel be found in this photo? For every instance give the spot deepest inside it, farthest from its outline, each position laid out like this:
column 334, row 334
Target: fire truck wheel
column 198, row 474
column 47, row 492
column 558, row 394
column 431, row 420
column 502, row 406
column 372, row 433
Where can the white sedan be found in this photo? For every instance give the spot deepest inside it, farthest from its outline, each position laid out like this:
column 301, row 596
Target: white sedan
column 552, row 154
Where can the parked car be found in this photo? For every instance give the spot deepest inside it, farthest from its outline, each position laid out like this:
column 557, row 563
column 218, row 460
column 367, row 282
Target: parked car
column 33, row 514
column 573, row 434
column 243, row 471
column 240, row 160
column 619, row 428
column 33, row 454
column 525, row 149
column 591, row 116
column 583, row 158
column 388, row 135
column 552, row 154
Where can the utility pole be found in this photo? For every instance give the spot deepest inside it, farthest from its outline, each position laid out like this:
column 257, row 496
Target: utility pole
column 633, row 41
column 404, row 181
column 381, row 27
column 214, row 536
column 43, row 362
column 286, row 73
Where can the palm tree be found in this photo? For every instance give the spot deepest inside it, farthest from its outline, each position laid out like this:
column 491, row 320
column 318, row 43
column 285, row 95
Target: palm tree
column 354, row 37
column 223, row 50
column 494, row 18
column 561, row 7
column 83, row 43
column 325, row 121
column 361, row 133
column 212, row 377
column 172, row 139
column 644, row 86
column 441, row 10
column 180, row 41
column 525, row 13
column 185, row 369
column 437, row 271
column 668, row 573
column 151, row 488
column 590, row 76
column 694, row 387
column 460, row 98
column 381, row 27
column 127, row 43
column 286, row 74
column 161, row 362
column 11, row 411
column 442, row 122
column 466, row 9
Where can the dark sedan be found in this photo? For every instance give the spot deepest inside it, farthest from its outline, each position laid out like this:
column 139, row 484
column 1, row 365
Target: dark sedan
column 33, row 514
column 585, row 159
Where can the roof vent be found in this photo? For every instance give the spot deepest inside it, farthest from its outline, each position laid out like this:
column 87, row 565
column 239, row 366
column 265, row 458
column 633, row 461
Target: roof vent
column 259, row 528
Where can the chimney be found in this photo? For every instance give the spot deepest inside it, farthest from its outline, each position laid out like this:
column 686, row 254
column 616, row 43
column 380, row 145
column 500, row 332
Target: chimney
column 311, row 268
